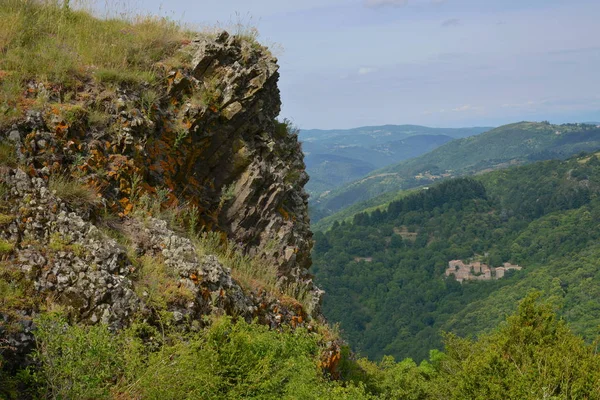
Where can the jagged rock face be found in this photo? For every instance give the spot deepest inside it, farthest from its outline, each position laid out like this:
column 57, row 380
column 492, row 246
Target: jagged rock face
column 87, row 272
column 74, row 264
column 261, row 166
column 206, row 137
column 210, row 138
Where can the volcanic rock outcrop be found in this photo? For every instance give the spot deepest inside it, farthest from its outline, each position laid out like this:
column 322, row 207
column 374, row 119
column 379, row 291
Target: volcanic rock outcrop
column 206, row 140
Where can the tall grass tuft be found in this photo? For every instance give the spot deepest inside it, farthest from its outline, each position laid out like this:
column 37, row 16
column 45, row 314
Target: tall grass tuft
column 74, row 193
column 251, row 272
column 8, row 156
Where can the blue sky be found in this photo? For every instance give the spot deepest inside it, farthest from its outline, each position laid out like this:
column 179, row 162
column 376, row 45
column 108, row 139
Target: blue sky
column 349, row 63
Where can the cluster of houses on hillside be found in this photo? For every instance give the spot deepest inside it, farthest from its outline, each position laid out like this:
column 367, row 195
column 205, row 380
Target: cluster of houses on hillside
column 429, row 176
column 477, row 271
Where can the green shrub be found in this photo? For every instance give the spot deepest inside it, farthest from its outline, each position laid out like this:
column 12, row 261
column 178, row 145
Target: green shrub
column 58, row 242
column 228, row 360
column 533, row 355
column 6, row 219
column 234, row 361
column 16, row 291
column 77, row 362
column 285, row 128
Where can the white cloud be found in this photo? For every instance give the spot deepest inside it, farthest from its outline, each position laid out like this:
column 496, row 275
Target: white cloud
column 382, row 3
column 399, row 3
column 464, row 108
column 467, row 107
column 365, row 70
column 451, row 22
column 527, row 104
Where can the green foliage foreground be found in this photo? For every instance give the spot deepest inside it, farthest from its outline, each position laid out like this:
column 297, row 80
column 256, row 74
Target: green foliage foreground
column 533, row 355
column 228, row 360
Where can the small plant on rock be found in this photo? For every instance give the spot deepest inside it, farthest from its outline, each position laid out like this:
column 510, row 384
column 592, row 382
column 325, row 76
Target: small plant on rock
column 8, row 156
column 6, row 247
column 74, row 193
column 159, row 285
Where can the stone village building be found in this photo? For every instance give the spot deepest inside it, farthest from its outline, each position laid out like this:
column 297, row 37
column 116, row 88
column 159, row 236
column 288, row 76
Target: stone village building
column 477, row 271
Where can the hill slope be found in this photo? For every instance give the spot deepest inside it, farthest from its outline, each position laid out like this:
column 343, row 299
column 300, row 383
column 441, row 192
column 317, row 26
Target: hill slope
column 499, row 148
column 384, row 272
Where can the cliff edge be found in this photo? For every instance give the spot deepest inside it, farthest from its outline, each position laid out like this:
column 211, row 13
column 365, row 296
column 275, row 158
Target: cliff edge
column 124, row 199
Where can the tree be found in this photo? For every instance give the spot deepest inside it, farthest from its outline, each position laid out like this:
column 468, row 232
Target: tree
column 533, row 356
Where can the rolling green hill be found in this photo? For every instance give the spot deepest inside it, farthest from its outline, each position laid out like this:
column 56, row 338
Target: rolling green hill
column 380, row 202
column 502, row 147
column 335, row 157
column 384, row 272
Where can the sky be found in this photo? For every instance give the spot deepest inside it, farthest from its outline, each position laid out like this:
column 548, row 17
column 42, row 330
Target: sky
column 440, row 63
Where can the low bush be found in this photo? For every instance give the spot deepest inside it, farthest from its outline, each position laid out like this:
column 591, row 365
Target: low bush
column 77, row 362
column 158, row 285
column 227, row 360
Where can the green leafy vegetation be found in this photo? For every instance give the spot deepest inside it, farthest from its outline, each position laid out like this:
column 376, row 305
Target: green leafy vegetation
column 6, row 247
column 499, row 148
column 158, row 285
column 532, row 355
column 227, row 360
column 384, row 272
column 77, row 362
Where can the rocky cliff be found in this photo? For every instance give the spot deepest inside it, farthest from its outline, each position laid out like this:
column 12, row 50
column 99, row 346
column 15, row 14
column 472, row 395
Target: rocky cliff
column 103, row 194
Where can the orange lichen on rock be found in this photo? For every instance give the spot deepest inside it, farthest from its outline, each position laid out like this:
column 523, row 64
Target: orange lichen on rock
column 330, row 361
column 284, row 214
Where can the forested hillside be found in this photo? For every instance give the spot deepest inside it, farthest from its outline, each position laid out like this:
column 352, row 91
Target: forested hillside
column 384, row 271
column 508, row 145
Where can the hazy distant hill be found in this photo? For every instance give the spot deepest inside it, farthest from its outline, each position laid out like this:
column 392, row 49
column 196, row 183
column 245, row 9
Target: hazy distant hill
column 328, row 171
column 335, row 157
column 507, row 145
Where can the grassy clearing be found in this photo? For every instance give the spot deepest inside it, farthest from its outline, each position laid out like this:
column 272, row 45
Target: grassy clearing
column 70, row 45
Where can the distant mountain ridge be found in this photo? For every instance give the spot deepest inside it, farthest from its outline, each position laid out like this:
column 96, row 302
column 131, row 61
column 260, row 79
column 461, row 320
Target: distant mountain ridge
column 335, row 157
column 512, row 144
column 380, row 132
